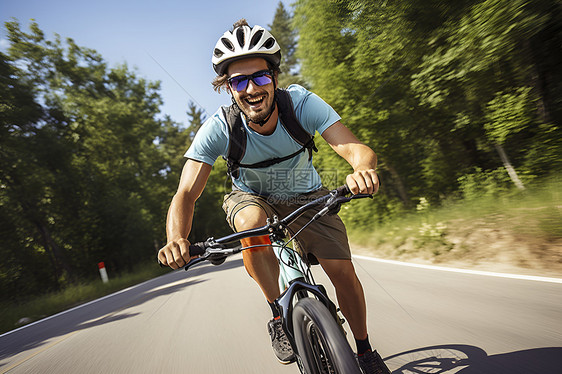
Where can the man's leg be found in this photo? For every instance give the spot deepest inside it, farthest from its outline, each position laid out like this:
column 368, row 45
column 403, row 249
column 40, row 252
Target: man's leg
column 351, row 300
column 349, row 292
column 260, row 263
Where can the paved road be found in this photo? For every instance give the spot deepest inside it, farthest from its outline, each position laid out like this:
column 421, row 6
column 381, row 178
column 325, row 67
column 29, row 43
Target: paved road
column 212, row 320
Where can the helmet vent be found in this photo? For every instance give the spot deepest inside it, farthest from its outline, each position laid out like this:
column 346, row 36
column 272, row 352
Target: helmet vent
column 256, row 38
column 218, row 53
column 240, row 36
column 227, row 44
column 269, row 43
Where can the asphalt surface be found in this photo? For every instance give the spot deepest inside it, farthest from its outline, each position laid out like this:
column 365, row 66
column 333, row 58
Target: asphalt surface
column 212, row 319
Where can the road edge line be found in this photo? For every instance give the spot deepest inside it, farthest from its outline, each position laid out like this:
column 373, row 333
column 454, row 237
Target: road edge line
column 465, row 271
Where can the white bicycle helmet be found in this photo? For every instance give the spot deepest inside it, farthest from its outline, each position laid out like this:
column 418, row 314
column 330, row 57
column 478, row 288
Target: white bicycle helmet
column 242, row 42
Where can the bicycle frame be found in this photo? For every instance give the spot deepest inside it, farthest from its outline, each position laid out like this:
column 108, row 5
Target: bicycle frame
column 291, row 266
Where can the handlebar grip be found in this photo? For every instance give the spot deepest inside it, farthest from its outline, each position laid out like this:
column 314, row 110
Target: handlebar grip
column 343, row 190
column 197, row 249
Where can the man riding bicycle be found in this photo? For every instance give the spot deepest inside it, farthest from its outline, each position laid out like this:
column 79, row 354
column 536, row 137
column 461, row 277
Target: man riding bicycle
column 272, row 175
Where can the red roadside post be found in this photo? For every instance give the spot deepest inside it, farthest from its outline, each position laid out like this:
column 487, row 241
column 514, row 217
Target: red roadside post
column 103, row 272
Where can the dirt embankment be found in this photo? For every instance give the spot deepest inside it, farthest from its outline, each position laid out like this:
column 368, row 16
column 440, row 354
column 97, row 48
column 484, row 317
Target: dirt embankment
column 481, row 245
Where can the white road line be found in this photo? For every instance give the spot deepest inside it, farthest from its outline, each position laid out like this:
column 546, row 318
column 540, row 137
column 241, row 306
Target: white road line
column 466, row 271
column 433, row 267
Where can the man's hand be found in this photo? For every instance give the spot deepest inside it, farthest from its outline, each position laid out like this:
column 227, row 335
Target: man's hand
column 175, row 254
column 363, row 181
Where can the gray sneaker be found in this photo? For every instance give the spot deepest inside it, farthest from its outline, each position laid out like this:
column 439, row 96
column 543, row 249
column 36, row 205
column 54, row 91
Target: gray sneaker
column 372, row 363
column 280, row 343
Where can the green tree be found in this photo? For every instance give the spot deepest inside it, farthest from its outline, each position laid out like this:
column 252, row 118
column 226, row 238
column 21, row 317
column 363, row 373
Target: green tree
column 282, row 29
column 436, row 88
column 352, row 64
column 196, row 118
column 83, row 176
column 26, row 238
column 491, row 67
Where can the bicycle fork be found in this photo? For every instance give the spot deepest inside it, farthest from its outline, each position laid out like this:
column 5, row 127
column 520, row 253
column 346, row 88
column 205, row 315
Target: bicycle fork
column 295, row 285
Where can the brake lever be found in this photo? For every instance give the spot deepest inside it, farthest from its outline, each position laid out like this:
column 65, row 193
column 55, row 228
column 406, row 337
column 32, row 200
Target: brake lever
column 360, row 196
column 193, row 262
column 211, row 253
column 334, row 204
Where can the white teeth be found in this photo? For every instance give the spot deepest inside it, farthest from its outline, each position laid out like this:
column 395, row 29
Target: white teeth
column 255, row 100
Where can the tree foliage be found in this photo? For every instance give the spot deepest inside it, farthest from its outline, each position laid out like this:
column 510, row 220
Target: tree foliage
column 450, row 95
column 436, row 88
column 83, row 178
column 285, row 35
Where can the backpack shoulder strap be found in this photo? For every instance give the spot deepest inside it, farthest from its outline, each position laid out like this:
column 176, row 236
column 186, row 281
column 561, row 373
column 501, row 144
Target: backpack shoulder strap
column 292, row 124
column 237, row 139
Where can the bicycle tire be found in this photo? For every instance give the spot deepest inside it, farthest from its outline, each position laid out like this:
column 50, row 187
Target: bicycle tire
column 321, row 346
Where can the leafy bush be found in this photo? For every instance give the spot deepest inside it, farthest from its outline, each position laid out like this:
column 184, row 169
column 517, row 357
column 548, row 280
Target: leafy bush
column 482, row 183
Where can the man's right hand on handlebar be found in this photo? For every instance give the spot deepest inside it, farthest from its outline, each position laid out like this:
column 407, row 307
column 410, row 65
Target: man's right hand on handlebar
column 175, row 254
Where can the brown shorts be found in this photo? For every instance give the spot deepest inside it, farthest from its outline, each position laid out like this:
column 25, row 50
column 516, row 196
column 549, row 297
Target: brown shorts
column 326, row 238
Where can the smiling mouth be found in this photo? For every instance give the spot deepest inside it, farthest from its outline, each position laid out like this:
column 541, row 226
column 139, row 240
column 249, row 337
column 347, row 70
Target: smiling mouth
column 254, row 101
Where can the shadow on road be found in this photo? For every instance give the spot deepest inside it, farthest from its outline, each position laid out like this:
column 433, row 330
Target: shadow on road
column 102, row 312
column 207, row 267
column 106, row 310
column 467, row 359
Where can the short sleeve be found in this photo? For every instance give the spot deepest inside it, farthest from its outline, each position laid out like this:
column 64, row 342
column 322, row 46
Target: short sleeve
column 313, row 113
column 210, row 142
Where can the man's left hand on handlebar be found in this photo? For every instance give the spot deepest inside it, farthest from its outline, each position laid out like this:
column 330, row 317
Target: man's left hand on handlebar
column 363, row 181
column 175, row 254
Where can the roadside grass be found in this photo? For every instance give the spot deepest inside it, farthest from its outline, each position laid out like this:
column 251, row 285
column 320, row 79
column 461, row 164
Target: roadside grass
column 450, row 231
column 74, row 295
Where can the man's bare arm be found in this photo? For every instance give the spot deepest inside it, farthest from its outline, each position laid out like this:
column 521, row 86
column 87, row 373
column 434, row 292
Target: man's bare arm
column 180, row 214
column 362, row 159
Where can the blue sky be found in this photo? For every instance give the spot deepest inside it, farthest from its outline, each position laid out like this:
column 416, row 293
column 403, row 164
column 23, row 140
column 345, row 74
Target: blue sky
column 166, row 40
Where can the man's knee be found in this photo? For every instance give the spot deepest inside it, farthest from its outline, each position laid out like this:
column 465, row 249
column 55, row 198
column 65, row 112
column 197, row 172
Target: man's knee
column 339, row 271
column 250, row 217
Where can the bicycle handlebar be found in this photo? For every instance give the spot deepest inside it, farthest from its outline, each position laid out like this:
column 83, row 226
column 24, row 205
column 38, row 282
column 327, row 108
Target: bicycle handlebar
column 214, row 250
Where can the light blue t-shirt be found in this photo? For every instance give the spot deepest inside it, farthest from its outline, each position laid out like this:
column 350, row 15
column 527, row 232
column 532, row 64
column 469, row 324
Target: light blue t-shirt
column 282, row 180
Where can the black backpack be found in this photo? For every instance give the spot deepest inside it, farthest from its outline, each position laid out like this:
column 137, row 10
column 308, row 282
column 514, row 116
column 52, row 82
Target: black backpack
column 237, row 135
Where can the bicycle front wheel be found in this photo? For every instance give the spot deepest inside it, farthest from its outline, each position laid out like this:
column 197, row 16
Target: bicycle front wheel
column 321, row 346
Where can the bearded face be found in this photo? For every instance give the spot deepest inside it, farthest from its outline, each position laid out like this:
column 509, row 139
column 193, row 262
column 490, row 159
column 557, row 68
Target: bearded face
column 255, row 100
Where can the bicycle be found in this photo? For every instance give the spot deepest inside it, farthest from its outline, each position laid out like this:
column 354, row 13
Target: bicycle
column 308, row 316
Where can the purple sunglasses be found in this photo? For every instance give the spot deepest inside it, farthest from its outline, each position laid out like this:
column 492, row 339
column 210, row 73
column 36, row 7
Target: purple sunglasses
column 260, row 78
